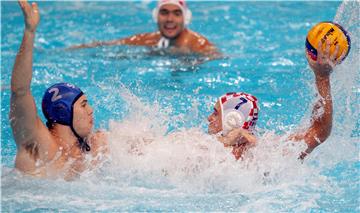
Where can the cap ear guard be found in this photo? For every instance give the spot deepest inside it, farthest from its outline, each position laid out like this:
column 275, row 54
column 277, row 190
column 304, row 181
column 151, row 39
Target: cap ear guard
column 233, row 120
column 155, row 13
column 239, row 110
column 62, row 112
column 187, row 18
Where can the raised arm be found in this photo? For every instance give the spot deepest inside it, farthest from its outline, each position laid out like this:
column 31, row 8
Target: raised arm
column 23, row 115
column 322, row 113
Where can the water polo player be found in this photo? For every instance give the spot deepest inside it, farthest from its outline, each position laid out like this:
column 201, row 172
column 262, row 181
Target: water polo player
column 60, row 148
column 172, row 18
column 234, row 117
column 235, row 114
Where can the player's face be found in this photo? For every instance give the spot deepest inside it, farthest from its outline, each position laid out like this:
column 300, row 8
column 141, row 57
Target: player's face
column 170, row 21
column 215, row 123
column 83, row 117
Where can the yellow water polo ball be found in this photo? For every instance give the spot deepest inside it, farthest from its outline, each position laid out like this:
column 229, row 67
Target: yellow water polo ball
column 328, row 31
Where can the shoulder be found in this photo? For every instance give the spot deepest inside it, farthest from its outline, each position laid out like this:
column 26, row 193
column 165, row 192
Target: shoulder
column 146, row 39
column 99, row 136
column 152, row 35
column 197, row 38
column 198, row 42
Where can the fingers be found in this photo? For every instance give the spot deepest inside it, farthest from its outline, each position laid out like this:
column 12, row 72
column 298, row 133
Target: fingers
column 20, row 4
column 31, row 14
column 334, row 59
column 341, row 57
column 327, row 48
column 323, row 54
column 35, row 7
column 24, row 6
column 333, row 56
column 320, row 54
column 23, row 3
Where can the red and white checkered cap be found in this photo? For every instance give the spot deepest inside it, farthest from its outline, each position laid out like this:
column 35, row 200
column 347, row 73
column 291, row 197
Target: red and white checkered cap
column 180, row 3
column 238, row 110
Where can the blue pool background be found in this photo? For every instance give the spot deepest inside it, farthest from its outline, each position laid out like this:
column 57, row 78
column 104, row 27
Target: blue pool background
column 137, row 96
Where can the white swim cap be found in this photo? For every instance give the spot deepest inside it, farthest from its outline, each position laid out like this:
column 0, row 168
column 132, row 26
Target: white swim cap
column 180, row 3
column 238, row 110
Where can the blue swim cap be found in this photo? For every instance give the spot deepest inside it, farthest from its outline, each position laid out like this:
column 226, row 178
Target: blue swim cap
column 57, row 106
column 58, row 102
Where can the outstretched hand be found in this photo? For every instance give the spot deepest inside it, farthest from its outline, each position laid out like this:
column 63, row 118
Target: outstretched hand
column 31, row 14
column 325, row 62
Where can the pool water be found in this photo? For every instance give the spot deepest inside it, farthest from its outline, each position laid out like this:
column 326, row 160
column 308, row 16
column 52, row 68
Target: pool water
column 159, row 104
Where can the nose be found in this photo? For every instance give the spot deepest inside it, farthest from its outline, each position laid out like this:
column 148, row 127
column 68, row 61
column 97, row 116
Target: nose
column 210, row 118
column 90, row 110
column 170, row 17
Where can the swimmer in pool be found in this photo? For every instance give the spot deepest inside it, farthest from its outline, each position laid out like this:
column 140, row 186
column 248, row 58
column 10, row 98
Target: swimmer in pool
column 60, row 147
column 172, row 17
column 235, row 114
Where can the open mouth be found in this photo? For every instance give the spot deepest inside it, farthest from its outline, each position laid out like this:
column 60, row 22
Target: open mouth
column 170, row 27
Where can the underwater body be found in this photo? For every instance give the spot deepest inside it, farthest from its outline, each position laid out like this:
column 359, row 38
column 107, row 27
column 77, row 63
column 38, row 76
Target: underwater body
column 155, row 108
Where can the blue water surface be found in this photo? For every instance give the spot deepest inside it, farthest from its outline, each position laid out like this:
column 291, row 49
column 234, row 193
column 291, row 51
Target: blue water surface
column 137, row 95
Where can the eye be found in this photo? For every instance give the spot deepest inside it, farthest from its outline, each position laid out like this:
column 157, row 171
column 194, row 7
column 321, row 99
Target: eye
column 178, row 13
column 164, row 12
column 83, row 104
column 215, row 112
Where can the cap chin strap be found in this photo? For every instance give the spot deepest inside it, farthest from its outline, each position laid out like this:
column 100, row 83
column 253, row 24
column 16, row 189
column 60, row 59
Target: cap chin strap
column 84, row 146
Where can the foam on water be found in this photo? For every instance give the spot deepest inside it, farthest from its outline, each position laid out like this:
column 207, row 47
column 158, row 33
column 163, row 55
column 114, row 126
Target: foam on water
column 149, row 162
